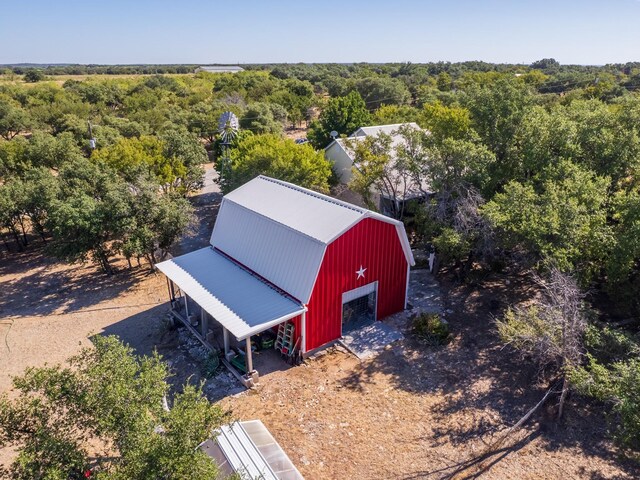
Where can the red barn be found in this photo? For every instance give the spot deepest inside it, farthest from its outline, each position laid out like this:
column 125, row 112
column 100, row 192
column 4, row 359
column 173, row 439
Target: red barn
column 281, row 253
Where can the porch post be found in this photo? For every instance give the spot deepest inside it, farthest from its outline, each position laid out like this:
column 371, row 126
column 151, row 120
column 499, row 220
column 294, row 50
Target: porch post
column 204, row 323
column 249, row 357
column 303, row 332
column 172, row 290
column 225, row 336
column 186, row 305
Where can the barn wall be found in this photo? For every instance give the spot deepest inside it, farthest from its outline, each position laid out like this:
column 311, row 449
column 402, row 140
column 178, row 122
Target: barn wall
column 373, row 245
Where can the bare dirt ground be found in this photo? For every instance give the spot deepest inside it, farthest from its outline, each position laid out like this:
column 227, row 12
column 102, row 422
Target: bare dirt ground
column 412, row 412
column 422, row 412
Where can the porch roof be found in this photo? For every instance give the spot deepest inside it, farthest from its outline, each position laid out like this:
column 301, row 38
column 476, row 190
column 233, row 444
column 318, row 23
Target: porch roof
column 240, row 301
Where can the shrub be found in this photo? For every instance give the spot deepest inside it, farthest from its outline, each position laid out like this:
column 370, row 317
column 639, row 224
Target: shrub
column 618, row 385
column 33, row 75
column 210, row 365
column 431, row 328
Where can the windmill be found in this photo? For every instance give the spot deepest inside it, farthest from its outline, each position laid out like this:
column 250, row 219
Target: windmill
column 228, row 127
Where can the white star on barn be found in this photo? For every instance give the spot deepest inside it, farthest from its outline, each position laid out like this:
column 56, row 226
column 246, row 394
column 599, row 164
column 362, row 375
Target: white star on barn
column 360, row 272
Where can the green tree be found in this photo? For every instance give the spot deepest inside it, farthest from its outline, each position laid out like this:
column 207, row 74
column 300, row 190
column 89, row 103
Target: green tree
column 159, row 220
column 608, row 138
column 497, row 111
column 187, row 149
column 390, row 114
column 545, row 64
column 296, row 97
column 447, row 122
column 107, row 395
column 12, row 199
column 13, row 119
column 14, row 159
column 45, row 150
column 343, row 115
column 611, row 374
column 561, row 217
column 91, row 214
column 444, row 82
column 378, row 91
column 40, row 189
column 545, row 137
column 394, row 170
column 276, row 157
column 174, row 160
column 264, row 118
column 624, row 263
column 33, row 75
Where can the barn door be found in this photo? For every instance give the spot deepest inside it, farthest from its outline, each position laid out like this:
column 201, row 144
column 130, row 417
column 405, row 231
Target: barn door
column 359, row 307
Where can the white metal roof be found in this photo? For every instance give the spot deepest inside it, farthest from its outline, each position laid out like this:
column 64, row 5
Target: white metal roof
column 406, row 188
column 240, row 301
column 305, row 211
column 281, row 231
column 376, row 129
column 285, row 257
column 220, row 68
column 252, row 452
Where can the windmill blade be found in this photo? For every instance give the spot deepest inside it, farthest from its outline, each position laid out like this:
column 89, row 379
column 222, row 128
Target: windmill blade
column 228, row 121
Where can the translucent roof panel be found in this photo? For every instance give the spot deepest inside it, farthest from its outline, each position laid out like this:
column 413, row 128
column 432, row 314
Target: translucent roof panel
column 251, row 451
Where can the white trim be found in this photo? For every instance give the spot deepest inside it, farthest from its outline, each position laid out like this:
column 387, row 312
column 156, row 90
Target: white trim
column 406, row 290
column 359, row 292
column 249, row 356
column 303, row 332
column 267, row 326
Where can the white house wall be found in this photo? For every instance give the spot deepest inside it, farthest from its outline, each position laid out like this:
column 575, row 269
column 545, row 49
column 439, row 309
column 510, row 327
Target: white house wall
column 341, row 162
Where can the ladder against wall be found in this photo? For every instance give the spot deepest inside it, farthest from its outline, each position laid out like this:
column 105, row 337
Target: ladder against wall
column 284, row 340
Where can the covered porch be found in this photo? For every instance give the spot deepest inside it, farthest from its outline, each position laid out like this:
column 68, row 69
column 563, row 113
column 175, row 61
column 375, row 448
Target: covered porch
column 223, row 303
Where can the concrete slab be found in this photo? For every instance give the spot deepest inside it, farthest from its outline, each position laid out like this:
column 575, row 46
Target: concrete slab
column 370, row 340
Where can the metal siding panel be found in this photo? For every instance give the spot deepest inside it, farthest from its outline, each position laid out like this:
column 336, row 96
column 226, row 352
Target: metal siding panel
column 311, row 213
column 222, row 288
column 358, row 292
column 281, row 255
column 375, row 245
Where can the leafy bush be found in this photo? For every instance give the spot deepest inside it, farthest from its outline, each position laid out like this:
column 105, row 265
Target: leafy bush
column 619, row 385
column 612, row 375
column 107, row 396
column 432, row 328
column 33, row 75
column 210, row 365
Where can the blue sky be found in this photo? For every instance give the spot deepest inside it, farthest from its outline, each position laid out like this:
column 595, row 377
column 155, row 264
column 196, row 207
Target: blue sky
column 256, row 31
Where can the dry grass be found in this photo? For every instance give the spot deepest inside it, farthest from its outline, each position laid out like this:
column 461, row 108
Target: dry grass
column 413, row 412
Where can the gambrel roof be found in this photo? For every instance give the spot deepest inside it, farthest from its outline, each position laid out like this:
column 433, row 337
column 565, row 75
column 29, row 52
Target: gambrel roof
column 281, row 231
column 266, row 250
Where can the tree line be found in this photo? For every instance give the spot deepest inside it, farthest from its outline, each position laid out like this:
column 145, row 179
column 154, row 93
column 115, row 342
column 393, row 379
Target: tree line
column 540, row 182
column 535, row 167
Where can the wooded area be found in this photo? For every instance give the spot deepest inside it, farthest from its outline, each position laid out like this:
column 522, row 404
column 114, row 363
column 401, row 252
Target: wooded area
column 535, row 166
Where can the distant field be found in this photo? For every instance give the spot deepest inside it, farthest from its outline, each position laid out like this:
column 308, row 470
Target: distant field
column 60, row 79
